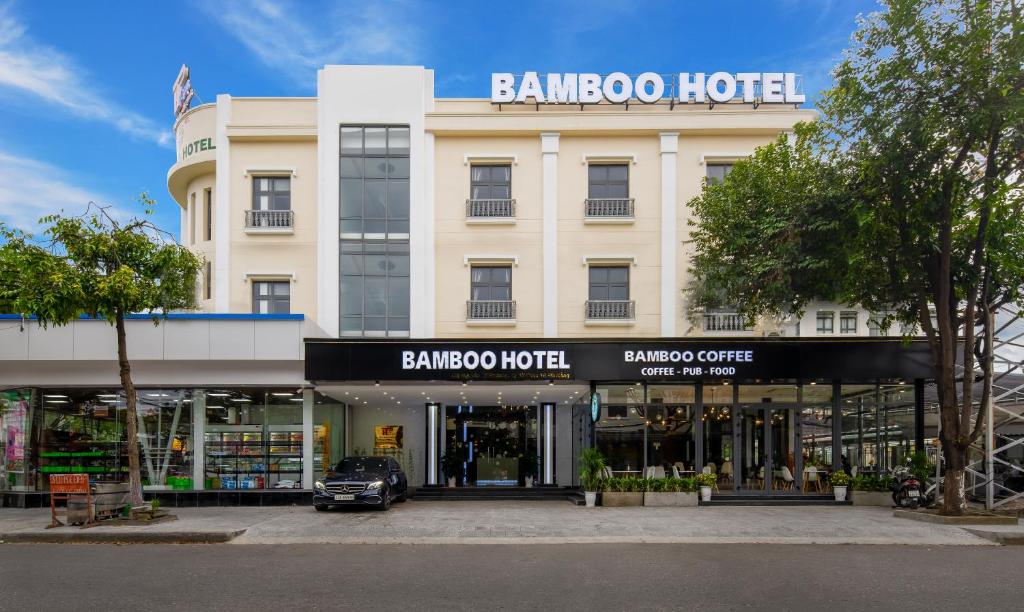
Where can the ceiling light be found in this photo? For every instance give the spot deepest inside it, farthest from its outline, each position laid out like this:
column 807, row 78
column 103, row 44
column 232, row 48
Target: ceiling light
column 276, row 394
column 423, row 392
column 53, row 401
column 399, row 401
column 55, row 396
column 357, row 397
column 109, row 401
column 105, row 395
column 242, row 399
column 296, row 399
column 218, row 394
column 364, row 401
column 346, row 393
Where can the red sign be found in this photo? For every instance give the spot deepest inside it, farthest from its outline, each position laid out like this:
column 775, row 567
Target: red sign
column 69, row 483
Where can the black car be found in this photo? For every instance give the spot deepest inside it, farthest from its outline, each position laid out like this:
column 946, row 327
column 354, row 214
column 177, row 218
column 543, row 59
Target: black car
column 362, row 481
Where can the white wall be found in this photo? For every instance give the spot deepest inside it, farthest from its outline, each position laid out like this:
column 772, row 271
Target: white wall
column 413, row 421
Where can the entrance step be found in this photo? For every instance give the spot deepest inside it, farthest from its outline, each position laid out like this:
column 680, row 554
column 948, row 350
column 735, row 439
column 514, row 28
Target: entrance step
column 499, row 493
column 774, row 500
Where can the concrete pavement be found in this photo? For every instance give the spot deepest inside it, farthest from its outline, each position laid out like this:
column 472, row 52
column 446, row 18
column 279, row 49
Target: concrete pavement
column 477, row 522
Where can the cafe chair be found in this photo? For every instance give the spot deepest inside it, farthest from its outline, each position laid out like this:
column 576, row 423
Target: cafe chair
column 710, row 469
column 680, row 466
column 675, row 471
column 608, row 472
column 727, row 471
column 811, row 479
column 649, row 471
column 788, row 481
column 658, row 471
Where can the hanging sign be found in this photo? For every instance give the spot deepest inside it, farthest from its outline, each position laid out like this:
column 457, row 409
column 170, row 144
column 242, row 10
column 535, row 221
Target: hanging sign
column 595, row 407
column 182, row 91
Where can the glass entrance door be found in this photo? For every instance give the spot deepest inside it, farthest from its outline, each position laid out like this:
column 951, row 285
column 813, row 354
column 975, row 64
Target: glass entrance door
column 495, row 446
column 765, row 460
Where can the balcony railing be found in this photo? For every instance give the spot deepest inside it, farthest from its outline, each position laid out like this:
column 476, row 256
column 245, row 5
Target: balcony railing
column 491, row 209
column 269, row 219
column 609, row 207
column 724, row 322
column 611, row 310
column 490, row 309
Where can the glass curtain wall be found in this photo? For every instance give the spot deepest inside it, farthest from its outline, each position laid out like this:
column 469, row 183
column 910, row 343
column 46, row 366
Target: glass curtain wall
column 878, row 426
column 816, row 436
column 671, row 430
column 718, row 430
column 620, row 429
column 17, row 470
column 328, row 434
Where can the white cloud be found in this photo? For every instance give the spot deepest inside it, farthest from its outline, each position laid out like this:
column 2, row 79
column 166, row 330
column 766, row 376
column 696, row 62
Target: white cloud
column 282, row 38
column 35, row 189
column 27, row 67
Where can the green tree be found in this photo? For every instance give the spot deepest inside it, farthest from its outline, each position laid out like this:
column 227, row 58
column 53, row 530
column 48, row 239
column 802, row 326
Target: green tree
column 99, row 266
column 905, row 198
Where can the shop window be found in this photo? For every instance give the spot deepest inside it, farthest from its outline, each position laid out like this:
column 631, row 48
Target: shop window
column 271, row 193
column 718, row 431
column 848, row 322
column 17, row 473
column 608, row 181
column 716, row 173
column 825, row 322
column 490, row 182
column 671, row 430
column 271, row 297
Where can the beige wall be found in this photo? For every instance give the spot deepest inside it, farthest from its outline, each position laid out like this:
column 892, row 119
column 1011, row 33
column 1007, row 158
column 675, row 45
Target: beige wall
column 193, row 232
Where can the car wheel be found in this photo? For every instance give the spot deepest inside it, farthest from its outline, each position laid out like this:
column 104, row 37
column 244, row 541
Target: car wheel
column 401, row 498
column 319, row 507
column 385, row 500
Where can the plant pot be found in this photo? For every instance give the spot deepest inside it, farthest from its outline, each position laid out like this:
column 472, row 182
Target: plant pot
column 871, row 498
column 451, row 482
column 705, row 494
column 840, row 493
column 591, row 498
column 528, row 481
column 615, row 499
column 673, row 499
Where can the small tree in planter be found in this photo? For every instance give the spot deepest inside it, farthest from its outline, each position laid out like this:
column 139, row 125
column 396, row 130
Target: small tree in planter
column 450, row 468
column 528, row 467
column 706, row 482
column 591, row 466
column 839, row 481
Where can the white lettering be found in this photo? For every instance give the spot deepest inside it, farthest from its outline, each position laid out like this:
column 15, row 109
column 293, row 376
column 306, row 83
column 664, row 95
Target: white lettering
column 657, row 84
column 508, row 360
column 624, row 91
column 628, row 356
column 524, row 360
column 562, row 88
column 792, row 97
column 771, row 87
column 488, row 359
column 470, row 360
column 562, row 365
column 715, row 91
column 408, row 360
column 423, row 361
column 530, row 88
column 748, row 80
column 590, row 88
column 695, row 87
column 455, row 359
column 440, row 360
column 503, row 87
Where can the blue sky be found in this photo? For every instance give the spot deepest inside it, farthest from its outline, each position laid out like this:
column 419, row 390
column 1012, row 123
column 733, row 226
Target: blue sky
column 85, row 87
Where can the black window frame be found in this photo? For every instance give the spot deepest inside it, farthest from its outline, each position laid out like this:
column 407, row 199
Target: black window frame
column 276, row 196
column 491, row 183
column 490, row 284
column 714, row 179
column 208, row 208
column 820, row 317
column 844, row 317
column 271, row 298
column 208, row 280
column 607, row 284
column 605, row 183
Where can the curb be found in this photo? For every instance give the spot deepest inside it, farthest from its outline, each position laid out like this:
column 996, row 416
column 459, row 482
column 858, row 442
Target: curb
column 84, row 536
column 548, row 540
column 1005, row 538
column 958, row 521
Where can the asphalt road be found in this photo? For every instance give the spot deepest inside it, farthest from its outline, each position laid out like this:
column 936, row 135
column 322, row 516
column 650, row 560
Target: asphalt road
column 486, row 577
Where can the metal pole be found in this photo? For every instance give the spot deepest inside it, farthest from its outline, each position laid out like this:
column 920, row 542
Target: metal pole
column 431, row 468
column 989, row 454
column 549, row 443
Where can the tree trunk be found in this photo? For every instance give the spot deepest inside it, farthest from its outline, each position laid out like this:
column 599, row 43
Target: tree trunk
column 954, row 501
column 132, row 418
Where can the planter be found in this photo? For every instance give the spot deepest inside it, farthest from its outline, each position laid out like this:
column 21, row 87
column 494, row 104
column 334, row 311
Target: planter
column 528, row 481
column 840, row 493
column 705, row 493
column 674, row 499
column 872, row 498
column 451, row 482
column 591, row 498
column 617, row 499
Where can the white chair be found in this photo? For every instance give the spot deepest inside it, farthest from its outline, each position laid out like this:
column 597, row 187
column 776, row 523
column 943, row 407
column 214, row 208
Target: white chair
column 712, row 467
column 853, row 471
column 608, row 472
column 727, row 471
column 658, row 471
column 811, row 479
column 679, row 465
column 760, row 477
column 675, row 472
column 649, row 471
column 787, row 478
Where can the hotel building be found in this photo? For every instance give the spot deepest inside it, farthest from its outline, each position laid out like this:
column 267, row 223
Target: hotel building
column 477, row 287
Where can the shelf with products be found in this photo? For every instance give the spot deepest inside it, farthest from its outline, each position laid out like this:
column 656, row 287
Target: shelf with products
column 103, row 461
column 253, row 459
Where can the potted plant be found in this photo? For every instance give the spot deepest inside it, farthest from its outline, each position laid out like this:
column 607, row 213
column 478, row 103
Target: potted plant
column 528, row 467
column 450, row 468
column 706, row 482
column 678, row 492
column 839, row 481
column 871, row 490
column 625, row 491
column 591, row 466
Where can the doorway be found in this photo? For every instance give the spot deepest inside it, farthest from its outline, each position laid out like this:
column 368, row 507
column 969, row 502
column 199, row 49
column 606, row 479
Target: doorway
column 495, row 446
column 765, row 462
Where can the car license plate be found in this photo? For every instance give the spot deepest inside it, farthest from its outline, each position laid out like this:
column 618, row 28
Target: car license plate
column 914, row 493
column 344, row 497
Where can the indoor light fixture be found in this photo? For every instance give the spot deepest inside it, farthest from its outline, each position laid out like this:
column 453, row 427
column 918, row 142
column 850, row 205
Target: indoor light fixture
column 278, row 394
column 218, row 394
column 55, row 396
column 296, row 399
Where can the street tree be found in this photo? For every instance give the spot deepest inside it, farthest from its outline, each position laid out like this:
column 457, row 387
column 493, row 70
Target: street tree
column 100, row 266
column 905, row 198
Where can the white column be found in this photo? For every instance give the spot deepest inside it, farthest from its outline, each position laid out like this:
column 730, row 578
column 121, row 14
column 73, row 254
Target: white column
column 328, row 246
column 549, row 152
column 307, row 438
column 198, row 440
column 548, row 432
column 432, row 436
column 222, row 233
column 425, row 304
column 669, row 240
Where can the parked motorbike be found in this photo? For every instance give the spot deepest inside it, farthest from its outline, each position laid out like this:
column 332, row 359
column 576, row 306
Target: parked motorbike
column 908, row 491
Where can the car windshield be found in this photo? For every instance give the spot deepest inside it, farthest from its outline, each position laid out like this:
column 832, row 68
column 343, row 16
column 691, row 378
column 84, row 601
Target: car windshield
column 361, row 464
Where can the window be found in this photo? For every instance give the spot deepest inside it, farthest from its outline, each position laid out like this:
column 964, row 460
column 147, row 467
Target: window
column 491, row 283
column 717, row 173
column 192, row 218
column 271, row 193
column 271, row 297
column 826, row 322
column 608, row 181
column 208, row 213
column 609, row 283
column 208, row 280
column 374, row 223
column 848, row 322
column 490, row 182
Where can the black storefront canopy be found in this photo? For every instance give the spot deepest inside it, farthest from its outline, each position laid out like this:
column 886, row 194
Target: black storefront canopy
column 681, row 360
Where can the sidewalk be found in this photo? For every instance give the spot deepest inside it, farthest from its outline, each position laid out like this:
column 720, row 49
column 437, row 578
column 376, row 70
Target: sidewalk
column 430, row 522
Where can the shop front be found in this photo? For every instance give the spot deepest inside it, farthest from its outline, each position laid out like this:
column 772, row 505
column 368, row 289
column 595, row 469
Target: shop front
column 766, row 417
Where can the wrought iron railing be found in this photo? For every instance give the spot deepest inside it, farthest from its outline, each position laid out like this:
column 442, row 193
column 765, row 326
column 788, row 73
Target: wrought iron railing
column 490, row 309
column 724, row 322
column 611, row 309
column 269, row 218
column 491, row 209
column 609, row 207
